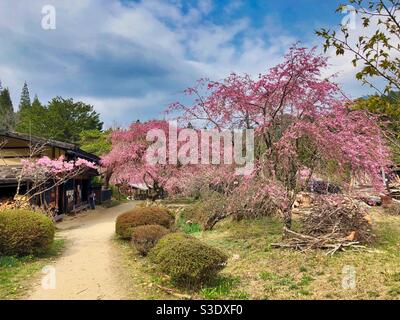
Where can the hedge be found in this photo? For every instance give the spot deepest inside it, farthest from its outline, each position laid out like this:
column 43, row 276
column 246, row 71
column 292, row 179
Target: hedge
column 187, row 260
column 145, row 237
column 142, row 216
column 24, row 232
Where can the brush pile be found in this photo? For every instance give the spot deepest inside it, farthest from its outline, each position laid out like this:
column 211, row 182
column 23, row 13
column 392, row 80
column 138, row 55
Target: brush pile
column 7, row 203
column 18, row 202
column 333, row 223
column 394, row 186
column 393, row 208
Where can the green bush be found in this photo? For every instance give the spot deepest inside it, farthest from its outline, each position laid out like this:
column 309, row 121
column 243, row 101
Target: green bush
column 24, row 232
column 145, row 237
column 187, row 260
column 139, row 217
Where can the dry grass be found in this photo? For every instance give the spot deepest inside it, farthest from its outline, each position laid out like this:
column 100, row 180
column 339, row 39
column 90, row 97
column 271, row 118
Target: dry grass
column 256, row 270
column 268, row 273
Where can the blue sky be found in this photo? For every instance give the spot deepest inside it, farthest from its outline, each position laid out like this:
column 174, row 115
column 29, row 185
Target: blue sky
column 130, row 59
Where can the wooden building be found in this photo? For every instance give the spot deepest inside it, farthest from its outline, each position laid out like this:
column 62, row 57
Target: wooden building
column 136, row 191
column 72, row 196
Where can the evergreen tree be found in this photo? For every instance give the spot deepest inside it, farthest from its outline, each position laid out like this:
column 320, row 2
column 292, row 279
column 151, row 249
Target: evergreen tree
column 66, row 119
column 25, row 101
column 96, row 141
column 30, row 120
column 7, row 117
column 62, row 119
column 36, row 101
column 38, row 113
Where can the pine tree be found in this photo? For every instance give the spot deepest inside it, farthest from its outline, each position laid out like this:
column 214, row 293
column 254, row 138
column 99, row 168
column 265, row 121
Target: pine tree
column 30, row 120
column 7, row 117
column 36, row 101
column 25, row 101
column 38, row 113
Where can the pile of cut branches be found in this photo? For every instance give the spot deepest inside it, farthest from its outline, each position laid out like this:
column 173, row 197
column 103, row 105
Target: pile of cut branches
column 333, row 223
column 10, row 203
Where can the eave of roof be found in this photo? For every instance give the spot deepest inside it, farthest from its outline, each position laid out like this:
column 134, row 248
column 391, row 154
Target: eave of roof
column 70, row 148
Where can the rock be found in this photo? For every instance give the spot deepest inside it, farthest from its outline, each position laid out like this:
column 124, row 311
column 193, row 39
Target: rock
column 235, row 257
column 303, row 200
column 351, row 236
column 368, row 218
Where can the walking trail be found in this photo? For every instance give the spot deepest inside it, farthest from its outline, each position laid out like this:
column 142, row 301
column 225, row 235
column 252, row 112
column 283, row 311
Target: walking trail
column 88, row 268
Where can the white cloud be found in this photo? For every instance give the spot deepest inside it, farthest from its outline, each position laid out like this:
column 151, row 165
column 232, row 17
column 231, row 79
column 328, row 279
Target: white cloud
column 205, row 6
column 141, row 27
column 233, row 6
column 131, row 59
column 342, row 65
column 120, row 54
column 121, row 111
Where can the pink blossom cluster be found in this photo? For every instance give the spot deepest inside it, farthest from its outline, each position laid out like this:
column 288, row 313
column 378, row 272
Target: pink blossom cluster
column 46, row 166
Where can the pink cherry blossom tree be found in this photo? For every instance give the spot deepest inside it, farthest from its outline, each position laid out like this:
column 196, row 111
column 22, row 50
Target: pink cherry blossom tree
column 303, row 125
column 44, row 174
column 301, row 120
column 130, row 164
column 128, row 157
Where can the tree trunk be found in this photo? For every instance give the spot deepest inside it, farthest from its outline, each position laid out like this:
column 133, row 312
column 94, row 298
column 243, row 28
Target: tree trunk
column 107, row 177
column 158, row 192
column 212, row 221
column 287, row 212
column 287, row 218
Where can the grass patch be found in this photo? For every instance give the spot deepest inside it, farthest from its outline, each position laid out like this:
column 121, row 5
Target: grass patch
column 287, row 282
column 255, row 270
column 223, row 287
column 16, row 272
column 269, row 273
column 188, row 228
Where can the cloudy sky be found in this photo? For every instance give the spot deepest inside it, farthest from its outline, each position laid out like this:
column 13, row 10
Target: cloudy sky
column 130, row 59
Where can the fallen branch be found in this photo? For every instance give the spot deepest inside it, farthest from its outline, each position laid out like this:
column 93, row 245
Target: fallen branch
column 174, row 293
column 304, row 242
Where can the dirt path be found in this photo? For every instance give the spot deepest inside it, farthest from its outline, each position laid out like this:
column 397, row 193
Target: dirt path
column 88, row 268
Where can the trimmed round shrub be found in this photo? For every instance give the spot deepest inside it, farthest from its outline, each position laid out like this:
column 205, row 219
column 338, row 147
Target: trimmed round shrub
column 139, row 217
column 145, row 237
column 187, row 260
column 24, row 232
